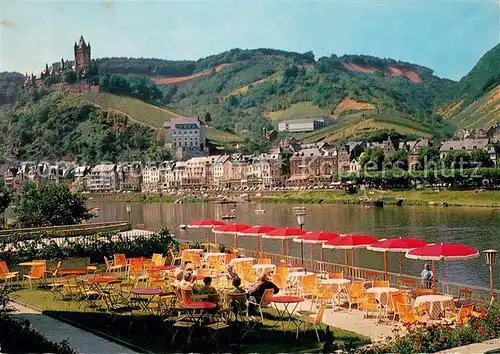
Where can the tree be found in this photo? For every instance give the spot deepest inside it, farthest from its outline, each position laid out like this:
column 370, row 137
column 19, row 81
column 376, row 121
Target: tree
column 480, row 158
column 398, row 160
column 70, row 77
column 372, row 159
column 428, row 157
column 5, row 200
column 51, row 205
column 208, row 117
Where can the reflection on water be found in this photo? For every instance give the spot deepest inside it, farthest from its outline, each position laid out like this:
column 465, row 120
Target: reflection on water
column 478, row 228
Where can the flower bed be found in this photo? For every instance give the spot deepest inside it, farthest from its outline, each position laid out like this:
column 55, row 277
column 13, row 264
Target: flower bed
column 434, row 338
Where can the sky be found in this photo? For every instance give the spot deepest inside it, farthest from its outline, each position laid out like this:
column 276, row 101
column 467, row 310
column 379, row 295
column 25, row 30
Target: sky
column 447, row 36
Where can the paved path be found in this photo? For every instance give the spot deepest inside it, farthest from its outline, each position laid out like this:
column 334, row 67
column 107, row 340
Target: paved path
column 477, row 348
column 56, row 331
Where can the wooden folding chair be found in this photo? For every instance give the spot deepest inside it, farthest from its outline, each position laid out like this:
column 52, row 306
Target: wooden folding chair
column 265, row 301
column 37, row 272
column 336, row 275
column 6, row 275
column 380, row 283
column 464, row 296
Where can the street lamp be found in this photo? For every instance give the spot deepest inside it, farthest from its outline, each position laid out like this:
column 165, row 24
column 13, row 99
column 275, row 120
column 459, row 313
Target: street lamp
column 129, row 209
column 301, row 220
column 490, row 257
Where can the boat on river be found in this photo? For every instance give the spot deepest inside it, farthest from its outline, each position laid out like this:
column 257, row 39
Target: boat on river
column 227, row 217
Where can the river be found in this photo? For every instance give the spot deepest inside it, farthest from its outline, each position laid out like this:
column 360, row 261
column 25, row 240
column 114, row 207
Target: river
column 476, row 227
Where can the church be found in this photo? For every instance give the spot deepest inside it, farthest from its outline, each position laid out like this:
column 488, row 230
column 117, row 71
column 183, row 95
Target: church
column 81, row 66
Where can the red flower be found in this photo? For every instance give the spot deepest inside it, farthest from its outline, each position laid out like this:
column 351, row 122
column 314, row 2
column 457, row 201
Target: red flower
column 493, row 334
column 480, row 331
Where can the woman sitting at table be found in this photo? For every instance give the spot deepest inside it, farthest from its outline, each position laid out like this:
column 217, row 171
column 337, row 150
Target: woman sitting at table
column 179, row 276
column 232, row 273
column 264, row 284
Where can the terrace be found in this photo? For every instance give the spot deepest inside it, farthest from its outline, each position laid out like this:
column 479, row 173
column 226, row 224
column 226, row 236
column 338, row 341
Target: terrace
column 133, row 297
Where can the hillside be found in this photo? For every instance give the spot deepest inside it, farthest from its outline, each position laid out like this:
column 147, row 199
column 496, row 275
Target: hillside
column 150, row 115
column 474, row 101
column 263, row 88
column 59, row 125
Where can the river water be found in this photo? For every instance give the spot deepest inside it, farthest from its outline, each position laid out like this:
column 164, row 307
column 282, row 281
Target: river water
column 475, row 227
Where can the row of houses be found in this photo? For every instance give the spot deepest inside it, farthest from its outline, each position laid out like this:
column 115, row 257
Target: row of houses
column 288, row 164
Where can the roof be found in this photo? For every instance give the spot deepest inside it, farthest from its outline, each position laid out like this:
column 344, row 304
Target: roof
column 301, row 121
column 308, row 152
column 183, row 120
column 300, row 177
column 466, row 144
column 104, row 168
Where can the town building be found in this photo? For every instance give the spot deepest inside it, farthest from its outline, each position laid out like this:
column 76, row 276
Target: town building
column 465, row 145
column 103, row 178
column 414, row 147
column 268, row 169
column 302, row 125
column 218, row 170
column 151, row 178
column 130, row 177
column 185, row 136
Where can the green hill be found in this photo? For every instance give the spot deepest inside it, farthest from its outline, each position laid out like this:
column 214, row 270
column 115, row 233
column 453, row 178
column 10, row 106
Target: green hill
column 148, row 114
column 474, row 101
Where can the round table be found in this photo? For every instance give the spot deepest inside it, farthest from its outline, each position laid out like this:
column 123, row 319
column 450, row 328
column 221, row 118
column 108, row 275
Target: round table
column 286, row 314
column 242, row 259
column 334, row 281
column 437, row 304
column 261, row 268
column 196, row 250
column 31, row 264
column 382, row 293
column 151, row 292
column 64, row 272
column 199, row 305
column 214, row 254
column 103, row 280
column 294, row 275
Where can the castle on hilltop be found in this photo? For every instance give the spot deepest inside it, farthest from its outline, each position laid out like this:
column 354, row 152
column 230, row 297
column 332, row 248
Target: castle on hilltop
column 81, row 66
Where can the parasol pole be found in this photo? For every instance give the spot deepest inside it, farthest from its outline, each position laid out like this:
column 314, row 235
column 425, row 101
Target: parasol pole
column 434, row 276
column 442, row 280
column 235, row 241
column 385, row 265
column 353, row 278
column 401, row 264
column 288, row 248
column 321, row 253
column 346, row 260
column 312, row 252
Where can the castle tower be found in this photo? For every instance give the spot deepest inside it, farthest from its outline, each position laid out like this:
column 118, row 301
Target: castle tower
column 82, row 55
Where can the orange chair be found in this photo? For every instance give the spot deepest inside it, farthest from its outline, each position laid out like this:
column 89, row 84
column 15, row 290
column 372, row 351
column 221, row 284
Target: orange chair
column 464, row 314
column 406, row 314
column 7, row 275
column 264, row 260
column 279, row 281
column 37, row 272
column 407, row 284
column 355, row 295
column 265, row 301
column 336, row 275
column 369, row 304
column 196, row 260
column 322, row 294
column 396, row 297
column 306, row 285
column 312, row 321
column 158, row 259
column 111, row 267
column 229, row 257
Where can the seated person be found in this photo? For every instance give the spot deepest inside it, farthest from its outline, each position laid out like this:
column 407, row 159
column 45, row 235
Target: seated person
column 265, row 283
column 208, row 289
column 232, row 273
column 237, row 287
column 179, row 276
column 188, row 282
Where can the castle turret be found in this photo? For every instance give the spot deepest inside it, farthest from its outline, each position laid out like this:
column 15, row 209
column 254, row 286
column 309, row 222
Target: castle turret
column 82, row 55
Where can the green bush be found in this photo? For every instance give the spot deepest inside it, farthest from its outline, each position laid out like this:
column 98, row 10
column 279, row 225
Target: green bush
column 43, row 246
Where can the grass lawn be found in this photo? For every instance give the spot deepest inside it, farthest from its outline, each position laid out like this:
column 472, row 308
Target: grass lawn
column 473, row 198
column 149, row 333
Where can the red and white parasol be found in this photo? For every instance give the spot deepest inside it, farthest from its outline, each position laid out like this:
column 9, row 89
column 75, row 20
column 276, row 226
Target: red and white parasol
column 398, row 245
column 316, row 237
column 284, row 233
column 231, row 229
column 256, row 231
column 350, row 242
column 205, row 224
column 444, row 252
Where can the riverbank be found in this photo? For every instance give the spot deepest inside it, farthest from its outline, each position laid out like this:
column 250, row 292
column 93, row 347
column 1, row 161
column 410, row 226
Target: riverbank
column 469, row 198
column 472, row 198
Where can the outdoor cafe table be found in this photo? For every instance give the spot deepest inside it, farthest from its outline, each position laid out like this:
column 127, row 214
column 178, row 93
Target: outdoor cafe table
column 242, row 259
column 150, row 292
column 96, row 283
column 437, row 304
column 382, row 295
column 194, row 306
column 261, row 268
column 286, row 314
column 338, row 286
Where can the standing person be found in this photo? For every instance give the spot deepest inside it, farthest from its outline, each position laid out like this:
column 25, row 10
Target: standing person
column 427, row 276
